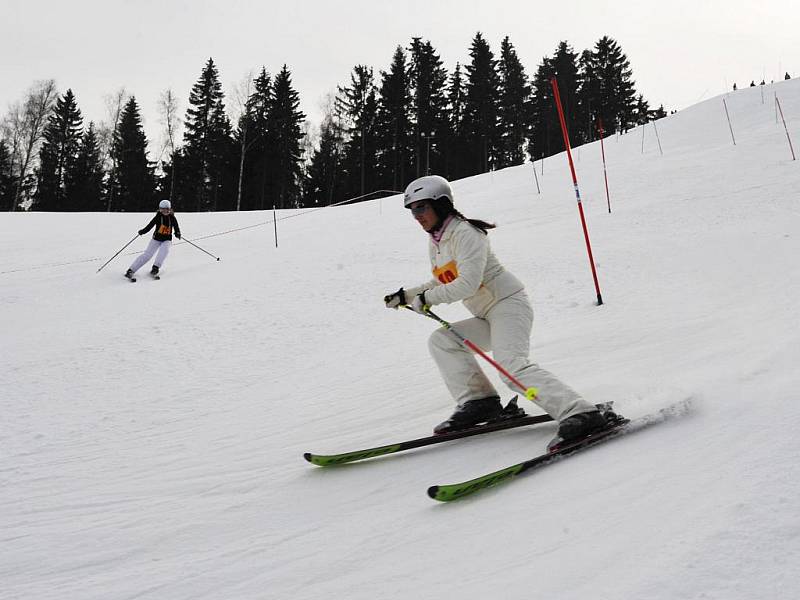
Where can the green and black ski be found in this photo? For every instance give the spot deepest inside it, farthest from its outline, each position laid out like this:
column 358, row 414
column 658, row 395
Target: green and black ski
column 454, row 491
column 510, row 422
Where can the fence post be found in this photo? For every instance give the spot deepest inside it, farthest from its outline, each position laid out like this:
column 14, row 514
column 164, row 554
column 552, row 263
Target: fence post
column 725, row 104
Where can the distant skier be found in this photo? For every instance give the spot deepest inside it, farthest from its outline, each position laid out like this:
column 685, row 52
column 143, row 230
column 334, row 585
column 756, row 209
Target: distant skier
column 465, row 269
column 164, row 221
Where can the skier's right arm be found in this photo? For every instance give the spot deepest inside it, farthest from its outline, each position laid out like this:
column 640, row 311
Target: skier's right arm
column 412, row 292
column 150, row 225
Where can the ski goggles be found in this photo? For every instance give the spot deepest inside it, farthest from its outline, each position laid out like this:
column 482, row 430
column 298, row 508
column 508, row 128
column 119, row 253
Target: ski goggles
column 420, row 209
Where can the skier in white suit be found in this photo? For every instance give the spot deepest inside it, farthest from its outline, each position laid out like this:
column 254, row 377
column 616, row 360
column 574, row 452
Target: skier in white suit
column 465, row 269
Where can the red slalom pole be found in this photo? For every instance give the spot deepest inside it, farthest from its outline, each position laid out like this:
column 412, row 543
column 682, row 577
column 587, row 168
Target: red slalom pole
column 557, row 96
column 603, row 152
column 530, row 393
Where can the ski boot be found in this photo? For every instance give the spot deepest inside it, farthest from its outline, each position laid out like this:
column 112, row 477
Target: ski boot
column 583, row 425
column 154, row 273
column 129, row 275
column 470, row 414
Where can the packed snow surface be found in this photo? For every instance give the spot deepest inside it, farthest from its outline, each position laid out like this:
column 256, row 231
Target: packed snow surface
column 152, row 434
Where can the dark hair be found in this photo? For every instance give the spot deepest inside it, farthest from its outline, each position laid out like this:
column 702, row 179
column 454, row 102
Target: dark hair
column 444, row 208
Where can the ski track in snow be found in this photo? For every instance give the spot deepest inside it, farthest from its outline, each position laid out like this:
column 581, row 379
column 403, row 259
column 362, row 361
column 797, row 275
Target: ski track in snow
column 151, row 436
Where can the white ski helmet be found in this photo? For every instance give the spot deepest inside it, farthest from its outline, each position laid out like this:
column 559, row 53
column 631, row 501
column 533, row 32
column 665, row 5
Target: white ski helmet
column 165, row 204
column 430, row 187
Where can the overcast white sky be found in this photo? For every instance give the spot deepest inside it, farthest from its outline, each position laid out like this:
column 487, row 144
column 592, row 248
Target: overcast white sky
column 680, row 51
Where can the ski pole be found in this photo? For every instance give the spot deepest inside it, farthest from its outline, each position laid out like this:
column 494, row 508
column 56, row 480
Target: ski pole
column 530, row 392
column 199, row 248
column 117, row 254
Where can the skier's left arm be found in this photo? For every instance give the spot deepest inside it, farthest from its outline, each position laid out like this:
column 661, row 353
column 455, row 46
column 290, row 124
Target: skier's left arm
column 471, row 251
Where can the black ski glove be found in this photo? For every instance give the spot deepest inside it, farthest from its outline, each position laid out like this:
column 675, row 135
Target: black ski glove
column 178, row 234
column 395, row 300
column 142, row 232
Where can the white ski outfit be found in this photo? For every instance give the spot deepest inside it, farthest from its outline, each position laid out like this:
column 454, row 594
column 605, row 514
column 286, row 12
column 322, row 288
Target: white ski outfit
column 465, row 269
column 159, row 248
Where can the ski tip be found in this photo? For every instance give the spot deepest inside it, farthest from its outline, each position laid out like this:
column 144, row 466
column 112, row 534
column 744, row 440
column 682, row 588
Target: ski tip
column 433, row 492
column 308, row 457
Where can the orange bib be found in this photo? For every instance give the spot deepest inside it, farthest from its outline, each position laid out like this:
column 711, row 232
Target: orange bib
column 446, row 273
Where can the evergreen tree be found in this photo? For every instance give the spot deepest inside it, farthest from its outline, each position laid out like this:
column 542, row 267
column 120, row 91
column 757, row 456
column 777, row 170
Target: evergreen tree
column 164, row 179
column 547, row 136
column 641, row 113
column 176, row 176
column 566, row 70
column 323, row 184
column 260, row 156
column 545, row 130
column 58, row 152
column 286, row 135
column 7, row 180
column 358, row 105
column 84, row 179
column 514, row 120
column 658, row 113
column 393, row 127
column 432, row 131
column 133, row 183
column 608, row 91
column 455, row 154
column 209, row 147
column 480, row 122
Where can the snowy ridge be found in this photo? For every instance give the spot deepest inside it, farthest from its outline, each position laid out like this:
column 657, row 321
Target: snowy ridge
column 151, row 435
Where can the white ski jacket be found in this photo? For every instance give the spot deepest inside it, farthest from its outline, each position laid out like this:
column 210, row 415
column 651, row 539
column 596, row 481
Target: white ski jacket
column 465, row 268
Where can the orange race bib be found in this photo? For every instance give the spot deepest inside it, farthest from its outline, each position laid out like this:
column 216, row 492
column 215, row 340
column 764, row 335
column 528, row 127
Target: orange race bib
column 165, row 230
column 446, row 273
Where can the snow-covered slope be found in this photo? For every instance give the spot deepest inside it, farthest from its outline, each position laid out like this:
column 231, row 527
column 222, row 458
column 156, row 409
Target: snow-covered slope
column 151, row 434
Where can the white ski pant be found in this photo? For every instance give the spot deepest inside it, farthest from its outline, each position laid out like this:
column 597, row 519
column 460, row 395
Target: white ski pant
column 161, row 248
column 505, row 331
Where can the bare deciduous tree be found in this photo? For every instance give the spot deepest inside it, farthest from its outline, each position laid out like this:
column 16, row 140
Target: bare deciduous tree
column 334, row 119
column 23, row 128
column 309, row 143
column 105, row 134
column 168, row 109
column 240, row 115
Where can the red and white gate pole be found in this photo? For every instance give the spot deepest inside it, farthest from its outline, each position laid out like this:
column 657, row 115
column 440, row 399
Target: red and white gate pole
column 557, row 97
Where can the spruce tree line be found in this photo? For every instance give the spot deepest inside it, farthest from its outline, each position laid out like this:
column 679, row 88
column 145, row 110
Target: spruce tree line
column 379, row 132
column 416, row 118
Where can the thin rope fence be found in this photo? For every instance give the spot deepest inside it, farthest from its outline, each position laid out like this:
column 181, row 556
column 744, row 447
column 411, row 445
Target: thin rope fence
column 205, row 237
